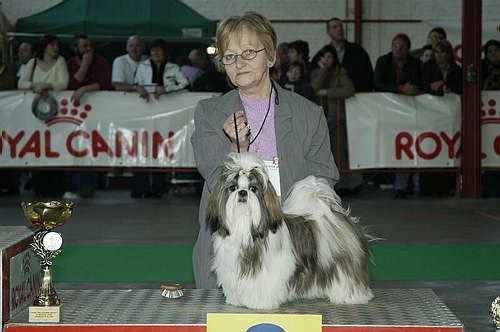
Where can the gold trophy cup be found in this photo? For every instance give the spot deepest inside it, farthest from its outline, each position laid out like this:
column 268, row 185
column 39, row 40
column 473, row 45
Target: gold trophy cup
column 495, row 312
column 46, row 244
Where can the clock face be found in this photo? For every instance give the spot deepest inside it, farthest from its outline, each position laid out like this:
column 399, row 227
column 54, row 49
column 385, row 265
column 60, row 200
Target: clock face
column 52, row 241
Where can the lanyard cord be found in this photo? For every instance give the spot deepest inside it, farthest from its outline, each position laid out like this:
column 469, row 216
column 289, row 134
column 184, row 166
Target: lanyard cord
column 263, row 121
column 236, row 131
column 267, row 113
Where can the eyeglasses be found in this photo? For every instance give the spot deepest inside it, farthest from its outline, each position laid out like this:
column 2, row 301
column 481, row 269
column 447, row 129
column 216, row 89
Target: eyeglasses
column 229, row 59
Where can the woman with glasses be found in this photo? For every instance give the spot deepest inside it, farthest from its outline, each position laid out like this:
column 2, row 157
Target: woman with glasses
column 259, row 117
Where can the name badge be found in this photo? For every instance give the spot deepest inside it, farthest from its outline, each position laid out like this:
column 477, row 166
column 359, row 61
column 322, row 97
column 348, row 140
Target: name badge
column 274, row 174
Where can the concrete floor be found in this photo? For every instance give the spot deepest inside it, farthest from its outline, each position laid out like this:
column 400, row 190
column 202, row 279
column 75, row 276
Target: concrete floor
column 113, row 218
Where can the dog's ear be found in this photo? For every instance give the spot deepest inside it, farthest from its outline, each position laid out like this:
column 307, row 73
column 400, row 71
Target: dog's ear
column 215, row 212
column 273, row 207
column 212, row 212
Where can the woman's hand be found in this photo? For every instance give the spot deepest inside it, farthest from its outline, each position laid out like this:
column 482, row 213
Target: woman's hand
column 76, row 97
column 160, row 91
column 243, row 131
column 435, row 86
column 41, row 88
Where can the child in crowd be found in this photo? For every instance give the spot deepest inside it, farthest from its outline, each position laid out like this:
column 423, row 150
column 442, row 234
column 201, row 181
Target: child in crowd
column 295, row 80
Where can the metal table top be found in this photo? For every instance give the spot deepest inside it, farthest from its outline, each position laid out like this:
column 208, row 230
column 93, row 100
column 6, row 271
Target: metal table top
column 389, row 307
column 10, row 235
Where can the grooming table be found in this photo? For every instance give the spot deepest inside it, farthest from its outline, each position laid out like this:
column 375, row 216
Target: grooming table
column 145, row 310
column 20, row 270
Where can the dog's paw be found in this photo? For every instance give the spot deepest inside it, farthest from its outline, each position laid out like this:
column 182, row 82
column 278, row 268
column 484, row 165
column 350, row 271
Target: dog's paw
column 262, row 305
column 356, row 297
column 234, row 301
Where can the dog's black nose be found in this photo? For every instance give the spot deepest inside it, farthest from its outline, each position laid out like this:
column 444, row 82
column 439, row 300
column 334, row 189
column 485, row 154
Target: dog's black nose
column 242, row 196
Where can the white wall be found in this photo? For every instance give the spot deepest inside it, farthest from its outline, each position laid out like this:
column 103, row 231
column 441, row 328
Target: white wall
column 376, row 37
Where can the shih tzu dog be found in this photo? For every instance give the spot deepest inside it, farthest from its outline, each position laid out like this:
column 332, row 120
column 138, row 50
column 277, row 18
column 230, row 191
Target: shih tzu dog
column 265, row 254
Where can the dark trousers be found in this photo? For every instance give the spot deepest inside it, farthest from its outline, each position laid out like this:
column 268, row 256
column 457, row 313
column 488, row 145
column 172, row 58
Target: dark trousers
column 146, row 183
column 48, row 184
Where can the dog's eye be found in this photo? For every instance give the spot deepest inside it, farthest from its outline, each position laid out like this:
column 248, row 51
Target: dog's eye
column 233, row 188
column 253, row 189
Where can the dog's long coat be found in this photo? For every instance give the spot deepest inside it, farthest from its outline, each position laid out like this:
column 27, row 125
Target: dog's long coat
column 265, row 255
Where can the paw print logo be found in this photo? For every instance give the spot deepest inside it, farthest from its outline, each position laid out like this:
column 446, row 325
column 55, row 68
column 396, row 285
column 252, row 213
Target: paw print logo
column 489, row 112
column 70, row 112
column 26, row 263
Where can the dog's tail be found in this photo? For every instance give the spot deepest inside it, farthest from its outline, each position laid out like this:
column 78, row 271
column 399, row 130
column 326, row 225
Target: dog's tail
column 314, row 200
column 311, row 198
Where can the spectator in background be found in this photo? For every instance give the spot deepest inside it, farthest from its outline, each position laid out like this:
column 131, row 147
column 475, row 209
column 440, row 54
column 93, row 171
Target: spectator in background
column 199, row 59
column 46, row 72
column 157, row 73
column 331, row 83
column 442, row 75
column 88, row 71
column 283, row 55
column 491, row 81
column 25, row 53
column 398, row 72
column 7, row 79
column 211, row 80
column 125, row 66
column 351, row 55
column 163, row 77
column 295, row 80
column 491, row 65
column 9, row 180
column 330, row 79
column 427, row 54
column 435, row 35
column 298, row 51
column 191, row 72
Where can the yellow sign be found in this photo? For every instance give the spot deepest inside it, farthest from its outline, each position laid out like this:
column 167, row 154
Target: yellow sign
column 263, row 323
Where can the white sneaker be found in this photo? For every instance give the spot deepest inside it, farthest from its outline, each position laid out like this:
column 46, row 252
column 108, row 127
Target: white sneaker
column 70, row 195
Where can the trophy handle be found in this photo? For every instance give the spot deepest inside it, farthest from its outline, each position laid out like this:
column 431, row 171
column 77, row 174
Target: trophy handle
column 44, row 254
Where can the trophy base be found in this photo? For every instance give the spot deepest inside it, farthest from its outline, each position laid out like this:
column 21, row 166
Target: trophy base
column 44, row 314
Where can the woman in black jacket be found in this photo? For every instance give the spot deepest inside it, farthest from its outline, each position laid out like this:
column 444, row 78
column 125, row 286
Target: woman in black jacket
column 442, row 75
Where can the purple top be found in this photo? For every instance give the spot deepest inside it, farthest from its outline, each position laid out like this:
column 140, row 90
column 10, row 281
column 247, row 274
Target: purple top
column 264, row 145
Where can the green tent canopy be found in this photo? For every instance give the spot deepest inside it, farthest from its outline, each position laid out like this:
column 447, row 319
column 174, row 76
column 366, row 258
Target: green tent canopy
column 171, row 20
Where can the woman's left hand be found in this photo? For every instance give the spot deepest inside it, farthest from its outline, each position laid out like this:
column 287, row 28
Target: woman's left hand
column 243, row 131
column 41, row 88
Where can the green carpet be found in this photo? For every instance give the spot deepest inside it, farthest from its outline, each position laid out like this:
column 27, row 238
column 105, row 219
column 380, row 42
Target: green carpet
column 173, row 263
